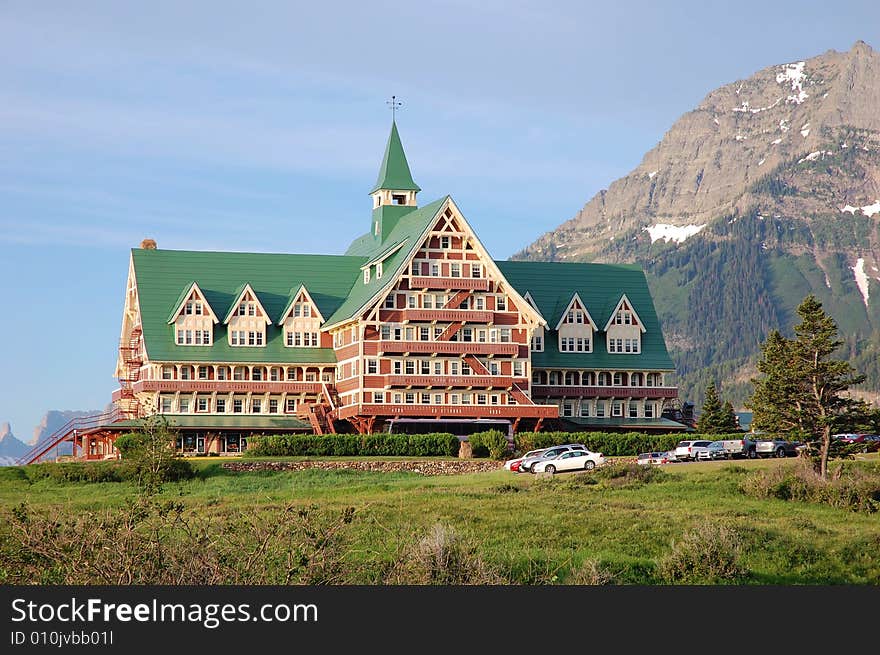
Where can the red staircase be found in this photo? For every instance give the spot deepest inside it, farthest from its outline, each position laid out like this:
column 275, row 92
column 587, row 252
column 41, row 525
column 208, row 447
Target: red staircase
column 132, row 360
column 321, row 413
column 68, row 432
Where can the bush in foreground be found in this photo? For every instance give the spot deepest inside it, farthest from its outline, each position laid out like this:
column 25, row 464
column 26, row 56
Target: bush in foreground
column 438, row 444
column 850, row 487
column 708, row 554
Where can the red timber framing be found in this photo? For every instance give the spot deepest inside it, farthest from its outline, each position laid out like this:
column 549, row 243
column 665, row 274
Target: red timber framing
column 452, row 305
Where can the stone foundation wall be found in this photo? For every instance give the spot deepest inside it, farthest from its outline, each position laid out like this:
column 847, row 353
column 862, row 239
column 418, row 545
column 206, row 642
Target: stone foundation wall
column 427, row 467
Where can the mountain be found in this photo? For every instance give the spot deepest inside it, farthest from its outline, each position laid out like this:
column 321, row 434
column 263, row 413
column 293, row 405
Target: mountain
column 10, row 447
column 765, row 192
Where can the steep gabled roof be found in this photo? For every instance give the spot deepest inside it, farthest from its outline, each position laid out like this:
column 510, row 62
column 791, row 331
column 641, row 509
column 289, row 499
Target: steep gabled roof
column 161, row 274
column 184, row 296
column 294, row 294
column 409, row 229
column 620, row 302
column 245, row 289
column 394, row 172
column 576, row 298
column 551, row 286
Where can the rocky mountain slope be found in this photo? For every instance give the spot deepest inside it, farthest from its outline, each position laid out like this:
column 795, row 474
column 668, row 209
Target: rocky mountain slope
column 11, row 448
column 767, row 191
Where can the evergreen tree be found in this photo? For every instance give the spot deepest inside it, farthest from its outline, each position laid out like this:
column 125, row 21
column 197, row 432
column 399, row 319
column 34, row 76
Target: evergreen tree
column 728, row 422
column 800, row 390
column 710, row 414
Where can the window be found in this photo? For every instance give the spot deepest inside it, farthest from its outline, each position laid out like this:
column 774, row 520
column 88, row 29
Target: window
column 435, row 270
column 183, row 404
column 188, row 308
column 455, row 269
column 389, row 301
column 186, row 373
column 438, row 368
column 366, row 275
column 501, row 303
column 222, row 373
column 372, row 366
column 479, row 303
column 256, row 405
column 505, row 335
column 198, row 307
column 444, row 242
column 425, row 368
column 238, row 373
column 397, row 366
column 617, row 408
column 398, row 398
column 416, row 268
column 290, row 406
column 585, row 409
column 273, row 405
column 166, row 405
column 476, row 270
column 633, row 410
column 481, row 399
column 568, row 408
column 410, row 367
column 454, row 399
column 410, row 398
column 221, row 405
column 378, row 397
column 649, row 410
column 411, row 302
column 537, row 344
column 202, row 405
column 618, row 379
column 203, row 372
column 425, row 398
column 600, row 409
column 467, row 334
column 167, row 373
column 378, row 270
column 180, row 337
column 189, row 337
column 518, row 368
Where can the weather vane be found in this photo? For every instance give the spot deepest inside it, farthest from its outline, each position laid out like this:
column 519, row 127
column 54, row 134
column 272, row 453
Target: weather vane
column 395, row 104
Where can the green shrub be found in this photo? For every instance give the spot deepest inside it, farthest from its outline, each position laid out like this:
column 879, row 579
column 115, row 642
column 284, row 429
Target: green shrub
column 76, row 472
column 625, row 474
column 612, row 444
column 852, row 488
column 492, row 443
column 438, row 444
column 708, row 554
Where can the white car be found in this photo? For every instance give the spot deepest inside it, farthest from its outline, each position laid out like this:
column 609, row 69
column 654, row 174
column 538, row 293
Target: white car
column 528, row 462
column 572, row 460
column 513, row 464
column 690, row 449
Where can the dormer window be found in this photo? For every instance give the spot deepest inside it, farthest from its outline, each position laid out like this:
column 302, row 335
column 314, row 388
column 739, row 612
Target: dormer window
column 444, row 242
column 623, row 317
column 366, row 275
column 378, row 270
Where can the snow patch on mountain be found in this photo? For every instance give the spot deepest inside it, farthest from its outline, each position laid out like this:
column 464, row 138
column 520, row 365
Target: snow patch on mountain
column 676, row 233
column 794, row 74
column 861, row 278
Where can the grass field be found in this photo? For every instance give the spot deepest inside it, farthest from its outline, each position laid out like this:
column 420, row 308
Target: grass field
column 531, row 530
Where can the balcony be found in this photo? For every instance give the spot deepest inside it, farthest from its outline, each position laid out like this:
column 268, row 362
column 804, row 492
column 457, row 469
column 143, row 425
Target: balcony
column 429, row 381
column 449, row 283
column 447, row 347
column 451, row 411
column 554, row 391
column 447, row 315
column 227, row 386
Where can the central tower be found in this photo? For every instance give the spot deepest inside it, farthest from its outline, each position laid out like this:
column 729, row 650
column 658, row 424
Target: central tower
column 394, row 193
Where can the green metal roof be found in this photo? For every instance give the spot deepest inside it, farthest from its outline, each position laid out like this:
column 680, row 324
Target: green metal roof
column 162, row 274
column 410, row 227
column 600, row 286
column 394, row 172
column 217, row 421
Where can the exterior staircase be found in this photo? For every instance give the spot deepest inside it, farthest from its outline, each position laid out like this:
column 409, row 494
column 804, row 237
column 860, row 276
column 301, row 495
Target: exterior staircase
column 68, row 432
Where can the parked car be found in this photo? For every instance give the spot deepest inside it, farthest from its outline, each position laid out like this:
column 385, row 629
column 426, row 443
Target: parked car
column 525, row 466
column 850, row 437
column 713, row 451
column 513, row 464
column 872, row 443
column 743, row 447
column 572, row 460
column 653, row 458
column 776, row 448
column 690, row 448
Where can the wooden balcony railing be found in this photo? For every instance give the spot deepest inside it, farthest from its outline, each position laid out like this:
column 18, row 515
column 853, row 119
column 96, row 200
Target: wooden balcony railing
column 475, row 283
column 227, row 386
column 450, row 411
column 546, row 391
column 448, row 347
column 447, row 315
column 499, row 381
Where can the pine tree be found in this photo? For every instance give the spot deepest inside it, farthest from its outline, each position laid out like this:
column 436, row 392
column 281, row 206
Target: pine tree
column 800, row 391
column 710, row 414
column 728, row 422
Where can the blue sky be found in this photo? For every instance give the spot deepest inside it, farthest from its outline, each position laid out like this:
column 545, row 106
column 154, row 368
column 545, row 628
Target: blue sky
column 260, row 127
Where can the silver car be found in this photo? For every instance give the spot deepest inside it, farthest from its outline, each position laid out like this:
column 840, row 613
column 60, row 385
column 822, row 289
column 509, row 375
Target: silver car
column 526, row 465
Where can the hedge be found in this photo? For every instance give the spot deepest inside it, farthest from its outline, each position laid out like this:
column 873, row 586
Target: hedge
column 380, row 443
column 613, row 443
column 492, row 443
